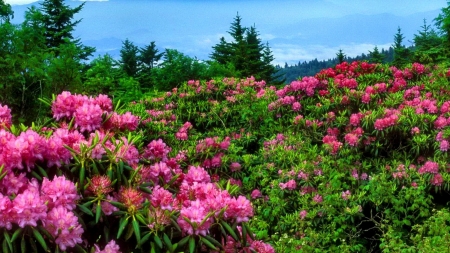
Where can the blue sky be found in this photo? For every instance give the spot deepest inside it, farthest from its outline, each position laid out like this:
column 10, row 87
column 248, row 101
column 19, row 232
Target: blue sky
column 297, row 30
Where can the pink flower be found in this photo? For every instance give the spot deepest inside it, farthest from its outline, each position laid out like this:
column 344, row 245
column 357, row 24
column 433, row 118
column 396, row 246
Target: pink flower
column 88, row 117
column 64, row 226
column 59, row 192
column 29, row 208
column 111, row 247
column 303, row 214
column 437, row 180
column 235, row 166
column 197, row 174
column 5, row 117
column 261, row 247
column 239, row 209
column 256, row 194
column 346, row 195
column 196, row 214
column 162, row 198
column 317, row 198
column 156, row 150
column 429, row 167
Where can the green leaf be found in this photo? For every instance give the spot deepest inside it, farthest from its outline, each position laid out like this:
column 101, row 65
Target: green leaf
column 191, row 244
column 5, row 246
column 122, row 224
column 229, row 230
column 213, row 241
column 82, row 175
column 40, row 239
column 208, row 243
column 137, row 231
column 16, row 234
column 407, row 222
column 183, row 241
column 23, row 246
column 85, row 210
column 158, row 241
column 144, row 239
column 168, row 242
column 98, row 212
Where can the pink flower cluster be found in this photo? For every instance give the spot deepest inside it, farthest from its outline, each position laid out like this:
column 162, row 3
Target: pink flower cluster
column 353, row 137
column 156, row 150
column 331, row 141
column 122, row 122
column 290, row 185
column 400, row 172
column 5, row 117
column 346, row 195
column 198, row 197
column 429, row 167
column 444, row 143
column 390, row 119
column 182, row 133
column 51, row 203
column 111, row 247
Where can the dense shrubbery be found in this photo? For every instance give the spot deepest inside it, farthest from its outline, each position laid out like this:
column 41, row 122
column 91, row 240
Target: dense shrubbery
column 354, row 159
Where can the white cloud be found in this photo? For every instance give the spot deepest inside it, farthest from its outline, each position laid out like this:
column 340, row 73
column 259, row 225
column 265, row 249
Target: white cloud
column 20, row 2
column 292, row 54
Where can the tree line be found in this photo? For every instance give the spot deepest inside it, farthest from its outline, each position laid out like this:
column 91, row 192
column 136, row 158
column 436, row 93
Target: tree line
column 40, row 57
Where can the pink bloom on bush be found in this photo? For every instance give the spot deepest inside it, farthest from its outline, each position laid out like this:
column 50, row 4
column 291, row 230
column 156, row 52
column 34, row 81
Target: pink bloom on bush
column 197, row 174
column 444, row 145
column 195, row 213
column 107, row 207
column 5, row 117
column 59, row 192
column 235, row 166
column 346, row 195
column 162, row 198
column 317, row 198
column 261, row 247
column 111, row 247
column 429, row 167
column 437, row 180
column 256, row 194
column 239, row 209
column 64, row 226
column 104, row 102
column 28, row 207
column 88, row 117
column 303, row 214
column 156, row 150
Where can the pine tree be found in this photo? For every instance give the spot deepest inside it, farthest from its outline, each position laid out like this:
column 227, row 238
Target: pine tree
column 246, row 54
column 222, row 52
column 149, row 55
column 376, row 56
column 270, row 73
column 401, row 53
column 428, row 45
column 57, row 18
column 340, row 56
column 129, row 58
column 253, row 56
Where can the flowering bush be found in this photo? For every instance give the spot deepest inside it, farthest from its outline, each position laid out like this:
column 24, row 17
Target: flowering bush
column 354, row 159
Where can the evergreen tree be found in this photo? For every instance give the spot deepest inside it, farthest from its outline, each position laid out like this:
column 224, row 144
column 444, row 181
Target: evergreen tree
column 253, row 56
column 401, row 53
column 428, row 45
column 222, row 52
column 129, row 58
column 246, row 54
column 270, row 73
column 340, row 56
column 149, row 55
column 376, row 56
column 57, row 18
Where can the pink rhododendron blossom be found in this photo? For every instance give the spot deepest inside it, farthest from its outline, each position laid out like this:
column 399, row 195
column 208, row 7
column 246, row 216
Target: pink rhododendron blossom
column 437, row 180
column 196, row 214
column 111, row 247
column 239, row 209
column 162, row 198
column 59, row 192
column 64, row 227
column 256, row 194
column 346, row 195
column 5, row 117
column 197, row 174
column 317, row 198
column 88, row 117
column 156, row 150
column 429, row 167
column 303, row 214
column 28, row 207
